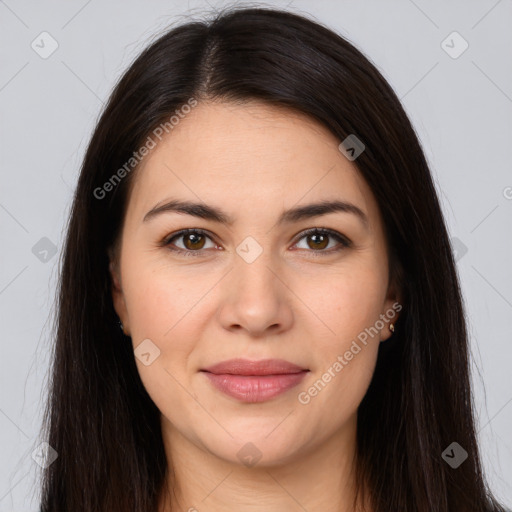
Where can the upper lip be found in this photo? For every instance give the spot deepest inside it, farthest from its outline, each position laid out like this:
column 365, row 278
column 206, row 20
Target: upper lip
column 261, row 367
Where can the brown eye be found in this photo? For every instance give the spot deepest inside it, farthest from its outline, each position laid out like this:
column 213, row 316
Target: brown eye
column 319, row 239
column 193, row 241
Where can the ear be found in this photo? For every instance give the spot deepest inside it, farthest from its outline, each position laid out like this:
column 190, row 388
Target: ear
column 118, row 296
column 391, row 311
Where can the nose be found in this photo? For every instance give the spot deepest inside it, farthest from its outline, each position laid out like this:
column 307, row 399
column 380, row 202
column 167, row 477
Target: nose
column 255, row 297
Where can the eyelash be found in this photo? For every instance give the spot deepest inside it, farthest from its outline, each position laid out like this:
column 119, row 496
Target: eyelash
column 345, row 242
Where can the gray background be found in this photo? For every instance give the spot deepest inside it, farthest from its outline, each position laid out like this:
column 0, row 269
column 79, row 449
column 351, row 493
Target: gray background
column 461, row 108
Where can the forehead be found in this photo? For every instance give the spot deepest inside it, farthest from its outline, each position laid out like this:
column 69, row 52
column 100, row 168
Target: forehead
column 245, row 157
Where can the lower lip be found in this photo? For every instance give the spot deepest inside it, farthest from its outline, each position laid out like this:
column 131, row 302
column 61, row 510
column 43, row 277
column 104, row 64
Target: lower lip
column 255, row 388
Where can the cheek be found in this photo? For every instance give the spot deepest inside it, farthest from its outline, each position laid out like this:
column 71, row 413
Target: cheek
column 349, row 305
column 346, row 301
column 156, row 302
column 159, row 307
column 156, row 295
column 339, row 387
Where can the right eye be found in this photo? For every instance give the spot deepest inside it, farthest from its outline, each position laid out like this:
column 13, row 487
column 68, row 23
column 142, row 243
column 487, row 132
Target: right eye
column 193, row 241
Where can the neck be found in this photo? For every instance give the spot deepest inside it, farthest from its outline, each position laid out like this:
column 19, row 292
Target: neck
column 320, row 477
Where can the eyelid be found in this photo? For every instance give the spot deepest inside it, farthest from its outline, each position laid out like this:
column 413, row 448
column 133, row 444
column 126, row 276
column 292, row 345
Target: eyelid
column 342, row 239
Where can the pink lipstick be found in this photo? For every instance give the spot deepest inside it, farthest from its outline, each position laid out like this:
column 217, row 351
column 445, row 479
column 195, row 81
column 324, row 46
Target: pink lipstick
column 255, row 381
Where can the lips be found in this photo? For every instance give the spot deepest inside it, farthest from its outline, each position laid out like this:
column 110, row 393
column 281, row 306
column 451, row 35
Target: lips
column 247, row 367
column 254, row 381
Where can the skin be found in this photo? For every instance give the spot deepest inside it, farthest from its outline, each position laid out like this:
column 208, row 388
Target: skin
column 293, row 302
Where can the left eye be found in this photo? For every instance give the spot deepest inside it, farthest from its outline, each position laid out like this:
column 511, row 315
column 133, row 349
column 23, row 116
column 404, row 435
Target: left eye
column 194, row 241
column 320, row 239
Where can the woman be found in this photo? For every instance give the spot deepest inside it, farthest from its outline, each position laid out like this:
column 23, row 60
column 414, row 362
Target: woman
column 259, row 308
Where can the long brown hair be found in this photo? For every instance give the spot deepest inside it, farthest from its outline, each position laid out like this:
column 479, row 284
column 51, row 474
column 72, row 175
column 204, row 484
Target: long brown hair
column 99, row 417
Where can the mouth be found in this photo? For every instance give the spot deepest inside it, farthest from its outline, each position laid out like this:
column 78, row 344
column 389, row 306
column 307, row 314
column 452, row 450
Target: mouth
column 254, row 368
column 254, row 381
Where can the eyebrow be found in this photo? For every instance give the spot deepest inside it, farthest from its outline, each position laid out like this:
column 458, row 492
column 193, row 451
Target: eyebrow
column 295, row 214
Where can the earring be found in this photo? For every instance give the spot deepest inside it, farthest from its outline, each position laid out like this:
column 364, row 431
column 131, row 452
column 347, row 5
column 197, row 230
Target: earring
column 121, row 326
column 392, row 327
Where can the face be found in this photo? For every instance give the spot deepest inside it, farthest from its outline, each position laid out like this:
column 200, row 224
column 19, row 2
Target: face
column 251, row 282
